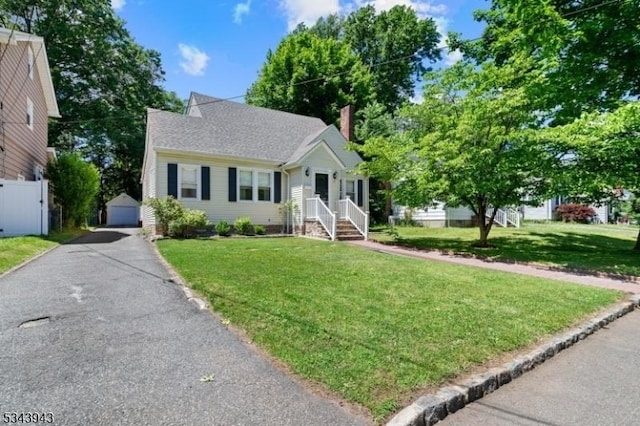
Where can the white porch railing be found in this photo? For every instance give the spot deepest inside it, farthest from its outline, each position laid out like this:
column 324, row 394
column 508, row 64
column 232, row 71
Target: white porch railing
column 347, row 209
column 505, row 217
column 318, row 210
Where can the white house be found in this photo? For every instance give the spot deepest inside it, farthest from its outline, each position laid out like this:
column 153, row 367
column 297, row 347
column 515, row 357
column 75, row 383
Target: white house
column 233, row 160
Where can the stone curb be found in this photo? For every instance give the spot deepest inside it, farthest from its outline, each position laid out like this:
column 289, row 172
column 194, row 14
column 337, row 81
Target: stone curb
column 175, row 278
column 430, row 409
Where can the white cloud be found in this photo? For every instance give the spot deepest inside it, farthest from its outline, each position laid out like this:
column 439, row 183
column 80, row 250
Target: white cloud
column 306, row 11
column 453, row 57
column 194, row 60
column 240, row 11
column 118, row 4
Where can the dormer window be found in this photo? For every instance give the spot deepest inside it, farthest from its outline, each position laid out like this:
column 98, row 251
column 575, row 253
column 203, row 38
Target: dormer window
column 30, row 62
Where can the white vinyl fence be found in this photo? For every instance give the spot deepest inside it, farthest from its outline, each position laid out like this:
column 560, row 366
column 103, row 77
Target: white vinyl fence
column 24, row 208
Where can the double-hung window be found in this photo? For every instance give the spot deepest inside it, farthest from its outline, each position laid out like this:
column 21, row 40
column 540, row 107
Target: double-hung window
column 246, row 185
column 264, row 186
column 255, row 185
column 188, row 181
column 350, row 190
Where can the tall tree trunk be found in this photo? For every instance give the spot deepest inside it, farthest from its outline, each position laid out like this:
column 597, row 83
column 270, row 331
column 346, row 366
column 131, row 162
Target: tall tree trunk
column 485, row 223
column 484, row 235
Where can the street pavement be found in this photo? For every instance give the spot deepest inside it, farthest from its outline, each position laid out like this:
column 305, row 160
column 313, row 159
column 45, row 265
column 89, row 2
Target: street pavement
column 116, row 343
column 593, row 383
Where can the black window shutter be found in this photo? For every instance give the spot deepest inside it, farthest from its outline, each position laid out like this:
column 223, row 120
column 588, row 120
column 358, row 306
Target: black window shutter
column 206, row 182
column 172, row 180
column 233, row 193
column 277, row 187
column 360, row 193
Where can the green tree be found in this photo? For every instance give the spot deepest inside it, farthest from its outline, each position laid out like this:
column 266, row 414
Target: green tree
column 588, row 49
column 605, row 153
column 75, row 185
column 375, row 122
column 395, row 44
column 587, row 52
column 469, row 144
column 104, row 83
column 312, row 76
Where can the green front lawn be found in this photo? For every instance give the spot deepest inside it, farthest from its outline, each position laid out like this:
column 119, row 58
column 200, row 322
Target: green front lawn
column 15, row 250
column 603, row 248
column 372, row 327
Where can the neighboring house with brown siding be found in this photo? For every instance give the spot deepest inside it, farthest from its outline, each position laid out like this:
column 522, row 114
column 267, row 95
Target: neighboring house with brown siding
column 27, row 99
column 233, row 160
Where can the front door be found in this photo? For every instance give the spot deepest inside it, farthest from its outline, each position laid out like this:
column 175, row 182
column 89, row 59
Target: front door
column 322, row 186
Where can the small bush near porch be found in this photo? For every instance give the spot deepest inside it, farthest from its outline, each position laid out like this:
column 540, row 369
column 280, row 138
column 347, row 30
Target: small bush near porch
column 374, row 328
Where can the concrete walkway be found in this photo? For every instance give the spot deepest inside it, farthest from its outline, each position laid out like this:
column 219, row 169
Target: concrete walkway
column 94, row 333
column 626, row 286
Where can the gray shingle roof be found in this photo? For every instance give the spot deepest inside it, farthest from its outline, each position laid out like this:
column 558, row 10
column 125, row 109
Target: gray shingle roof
column 234, row 129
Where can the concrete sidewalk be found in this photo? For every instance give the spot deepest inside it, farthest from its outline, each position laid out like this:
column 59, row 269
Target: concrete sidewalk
column 585, row 279
column 593, row 383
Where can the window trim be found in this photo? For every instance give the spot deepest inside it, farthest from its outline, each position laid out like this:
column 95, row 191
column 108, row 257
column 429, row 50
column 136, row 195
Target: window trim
column 254, row 184
column 29, row 116
column 198, row 169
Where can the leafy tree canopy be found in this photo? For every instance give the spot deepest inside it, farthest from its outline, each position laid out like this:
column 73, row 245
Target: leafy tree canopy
column 313, row 76
column 588, row 49
column 394, row 45
column 470, row 143
column 104, row 82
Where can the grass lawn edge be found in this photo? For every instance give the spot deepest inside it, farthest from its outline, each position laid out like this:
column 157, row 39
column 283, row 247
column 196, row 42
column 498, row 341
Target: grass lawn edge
column 409, row 394
column 488, row 377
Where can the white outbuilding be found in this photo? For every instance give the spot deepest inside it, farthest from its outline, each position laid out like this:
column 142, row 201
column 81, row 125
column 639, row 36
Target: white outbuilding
column 123, row 211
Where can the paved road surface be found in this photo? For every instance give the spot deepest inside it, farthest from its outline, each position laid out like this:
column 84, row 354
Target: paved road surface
column 123, row 347
column 595, row 382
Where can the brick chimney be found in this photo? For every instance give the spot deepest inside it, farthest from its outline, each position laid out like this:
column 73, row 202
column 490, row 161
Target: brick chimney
column 347, row 122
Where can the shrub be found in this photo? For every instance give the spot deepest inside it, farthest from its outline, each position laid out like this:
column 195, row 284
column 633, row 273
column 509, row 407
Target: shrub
column 188, row 223
column 223, row 229
column 259, row 229
column 243, row 226
column 166, row 211
column 74, row 183
column 575, row 213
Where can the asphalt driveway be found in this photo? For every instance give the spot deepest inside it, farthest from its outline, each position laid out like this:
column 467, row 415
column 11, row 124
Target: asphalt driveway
column 95, row 334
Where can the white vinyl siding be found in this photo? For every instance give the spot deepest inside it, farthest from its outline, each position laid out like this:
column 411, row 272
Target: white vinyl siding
column 219, row 207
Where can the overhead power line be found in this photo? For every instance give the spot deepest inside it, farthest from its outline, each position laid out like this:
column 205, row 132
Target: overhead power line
column 327, row 77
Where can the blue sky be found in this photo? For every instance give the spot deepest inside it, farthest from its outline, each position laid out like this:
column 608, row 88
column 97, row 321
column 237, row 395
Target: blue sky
column 218, row 47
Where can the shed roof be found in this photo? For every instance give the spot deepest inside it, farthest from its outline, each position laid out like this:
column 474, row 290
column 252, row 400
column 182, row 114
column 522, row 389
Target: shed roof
column 123, row 200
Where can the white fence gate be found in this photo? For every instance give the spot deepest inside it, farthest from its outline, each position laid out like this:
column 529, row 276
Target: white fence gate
column 24, row 208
